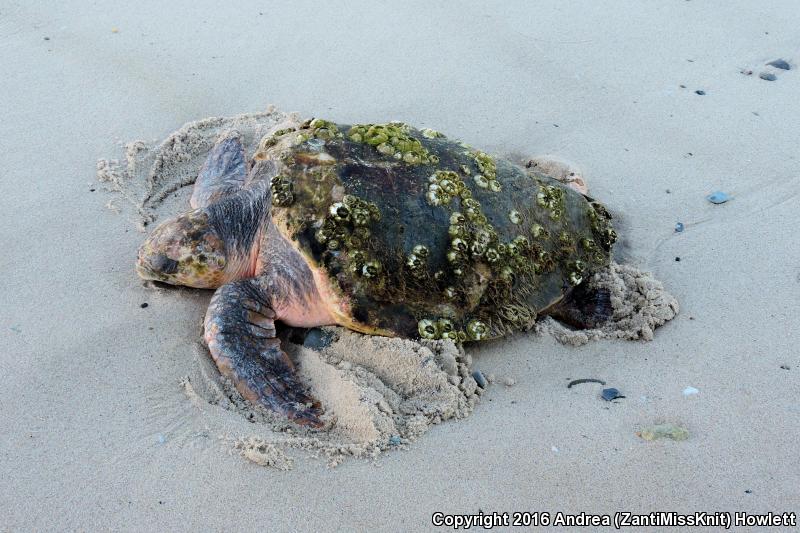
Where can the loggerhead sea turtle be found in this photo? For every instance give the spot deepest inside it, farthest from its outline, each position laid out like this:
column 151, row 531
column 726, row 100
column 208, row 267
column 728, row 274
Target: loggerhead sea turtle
column 381, row 228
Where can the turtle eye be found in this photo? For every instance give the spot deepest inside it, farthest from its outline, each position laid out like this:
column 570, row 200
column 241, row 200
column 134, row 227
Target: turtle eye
column 163, row 264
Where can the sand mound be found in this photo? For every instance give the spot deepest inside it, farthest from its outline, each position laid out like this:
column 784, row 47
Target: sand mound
column 377, row 393
column 640, row 304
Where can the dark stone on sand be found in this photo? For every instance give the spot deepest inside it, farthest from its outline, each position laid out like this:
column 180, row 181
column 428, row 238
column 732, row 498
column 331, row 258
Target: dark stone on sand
column 768, row 76
column 480, row 379
column 611, row 394
column 781, row 64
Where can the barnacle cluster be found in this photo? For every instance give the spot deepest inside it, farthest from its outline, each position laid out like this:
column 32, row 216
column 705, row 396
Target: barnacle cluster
column 477, row 330
column 273, row 139
column 593, row 251
column 417, row 261
column 282, row 190
column 431, row 134
column 443, row 328
column 576, row 269
column 393, row 140
column 318, row 128
column 487, row 179
column 551, row 198
column 600, row 220
column 444, row 185
column 345, row 228
column 538, row 231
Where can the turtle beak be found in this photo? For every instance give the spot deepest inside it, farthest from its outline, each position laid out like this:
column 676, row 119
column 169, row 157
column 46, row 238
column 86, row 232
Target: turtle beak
column 154, row 266
column 162, row 264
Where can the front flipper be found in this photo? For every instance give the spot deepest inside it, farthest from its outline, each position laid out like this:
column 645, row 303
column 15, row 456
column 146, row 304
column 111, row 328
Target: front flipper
column 240, row 333
column 223, row 172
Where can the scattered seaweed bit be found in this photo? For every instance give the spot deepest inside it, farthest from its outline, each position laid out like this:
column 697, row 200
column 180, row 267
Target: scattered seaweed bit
column 664, row 431
column 700, row 92
column 480, row 379
column 781, row 64
column 768, row 76
column 611, row 394
column 718, row 197
column 679, row 227
column 584, row 380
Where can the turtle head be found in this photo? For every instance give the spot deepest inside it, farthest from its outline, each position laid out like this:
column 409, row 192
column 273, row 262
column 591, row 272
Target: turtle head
column 185, row 250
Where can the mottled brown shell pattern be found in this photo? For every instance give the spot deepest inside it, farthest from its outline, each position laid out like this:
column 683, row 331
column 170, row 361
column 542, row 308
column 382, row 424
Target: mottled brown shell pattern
column 422, row 236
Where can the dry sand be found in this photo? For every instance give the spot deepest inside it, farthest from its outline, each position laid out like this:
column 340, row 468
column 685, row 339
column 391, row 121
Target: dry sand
column 110, row 420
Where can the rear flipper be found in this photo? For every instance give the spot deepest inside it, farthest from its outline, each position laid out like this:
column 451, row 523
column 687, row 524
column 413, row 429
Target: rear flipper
column 223, row 172
column 240, row 332
column 583, row 307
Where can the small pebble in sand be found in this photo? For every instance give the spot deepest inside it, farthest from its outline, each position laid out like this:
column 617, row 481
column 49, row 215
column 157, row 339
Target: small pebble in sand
column 664, row 431
column 677, row 259
column 48, row 38
column 682, row 86
column 689, row 391
column 785, row 367
column 746, row 72
column 510, row 382
column 748, row 491
column 700, row 92
column 679, row 227
column 145, row 304
column 768, row 76
column 781, row 64
column 480, row 379
column 394, row 440
column 718, row 197
column 611, row 394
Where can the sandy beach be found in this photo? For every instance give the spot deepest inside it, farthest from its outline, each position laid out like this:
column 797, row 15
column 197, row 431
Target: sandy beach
column 660, row 103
